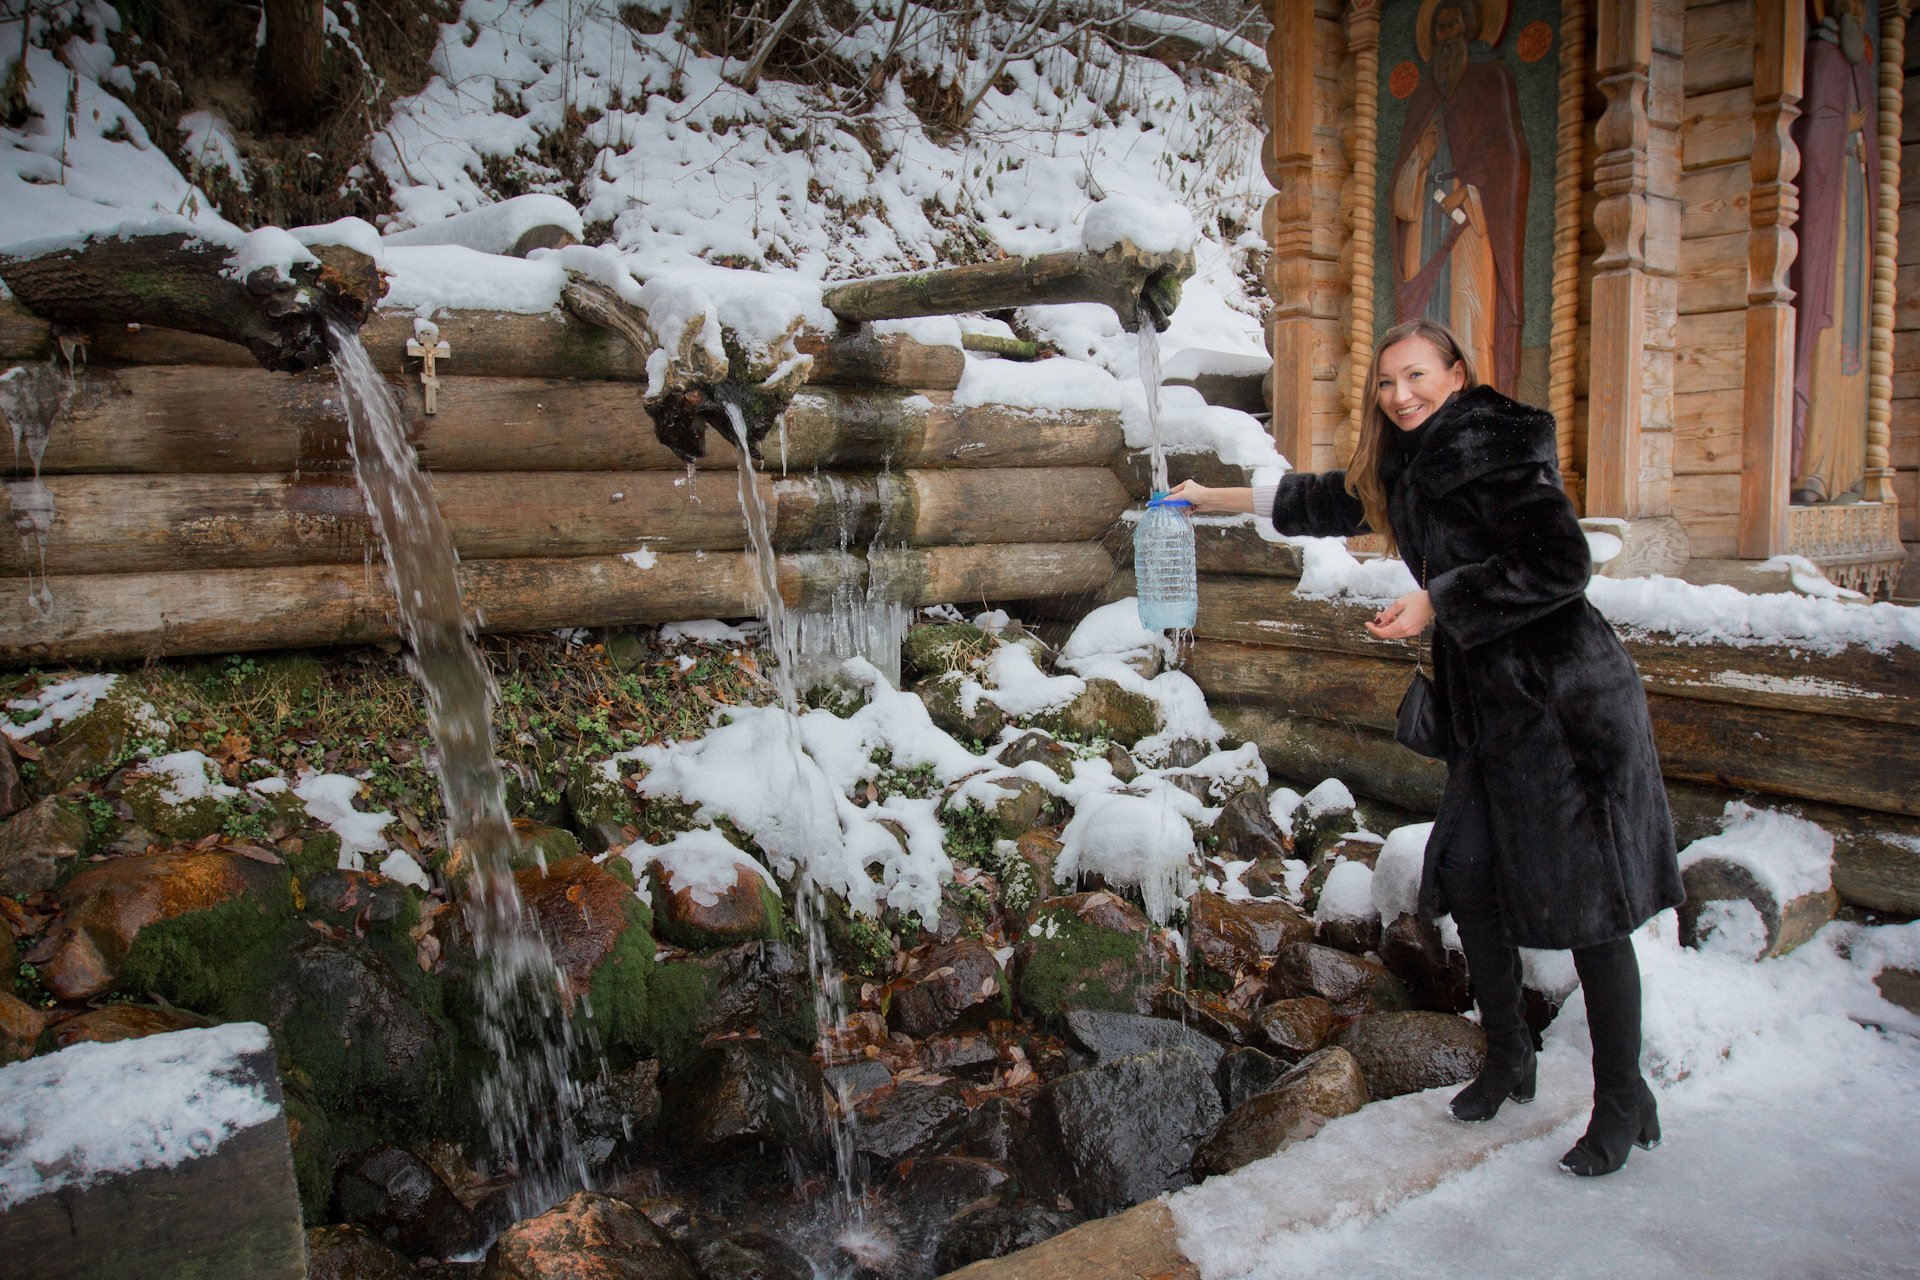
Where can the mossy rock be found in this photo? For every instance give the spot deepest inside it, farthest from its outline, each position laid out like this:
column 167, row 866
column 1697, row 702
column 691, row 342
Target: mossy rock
column 318, row 851
column 941, row 695
column 541, row 845
column 218, row 961
column 622, row 992
column 182, row 820
column 1089, row 951
column 1106, row 710
column 106, row 737
column 938, row 647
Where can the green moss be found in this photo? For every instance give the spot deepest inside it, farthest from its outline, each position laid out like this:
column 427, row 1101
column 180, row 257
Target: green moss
column 319, row 851
column 620, row 986
column 620, row 869
column 1077, row 965
column 679, row 993
column 970, row 834
column 216, row 961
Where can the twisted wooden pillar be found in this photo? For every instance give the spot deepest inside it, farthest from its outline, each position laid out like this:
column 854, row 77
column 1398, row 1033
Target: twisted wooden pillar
column 1288, row 160
column 1569, row 169
column 1893, row 78
column 1625, row 54
column 1779, row 69
column 1363, row 41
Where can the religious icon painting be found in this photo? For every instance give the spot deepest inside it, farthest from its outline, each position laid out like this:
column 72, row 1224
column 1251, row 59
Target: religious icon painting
column 1469, row 108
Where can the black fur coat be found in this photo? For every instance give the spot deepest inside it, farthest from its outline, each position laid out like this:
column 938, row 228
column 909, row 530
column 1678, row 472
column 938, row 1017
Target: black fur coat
column 1544, row 703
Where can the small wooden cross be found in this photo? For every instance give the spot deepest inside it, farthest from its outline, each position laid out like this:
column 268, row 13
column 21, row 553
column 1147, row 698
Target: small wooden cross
column 425, row 343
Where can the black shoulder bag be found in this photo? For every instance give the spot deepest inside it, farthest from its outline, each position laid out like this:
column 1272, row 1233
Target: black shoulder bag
column 1418, row 726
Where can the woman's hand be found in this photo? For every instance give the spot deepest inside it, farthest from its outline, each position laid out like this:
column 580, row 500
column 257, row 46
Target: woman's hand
column 1205, row 500
column 1404, row 619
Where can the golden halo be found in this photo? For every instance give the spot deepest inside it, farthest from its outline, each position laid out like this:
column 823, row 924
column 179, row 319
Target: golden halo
column 1493, row 23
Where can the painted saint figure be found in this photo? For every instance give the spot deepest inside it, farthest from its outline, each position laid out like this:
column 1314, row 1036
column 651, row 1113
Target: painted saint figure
column 1832, row 278
column 1459, row 195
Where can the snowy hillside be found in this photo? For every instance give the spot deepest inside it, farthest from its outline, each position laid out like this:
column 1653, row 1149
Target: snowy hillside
column 870, row 140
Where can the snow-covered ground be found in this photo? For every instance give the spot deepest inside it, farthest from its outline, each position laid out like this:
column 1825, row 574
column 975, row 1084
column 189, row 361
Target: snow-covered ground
column 1792, row 1148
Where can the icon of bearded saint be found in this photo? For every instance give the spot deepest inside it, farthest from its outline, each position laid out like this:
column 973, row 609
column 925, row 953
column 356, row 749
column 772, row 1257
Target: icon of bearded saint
column 1459, row 195
column 1832, row 277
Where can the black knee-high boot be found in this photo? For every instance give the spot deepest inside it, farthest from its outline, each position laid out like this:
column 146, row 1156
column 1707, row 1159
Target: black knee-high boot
column 1493, row 966
column 1624, row 1112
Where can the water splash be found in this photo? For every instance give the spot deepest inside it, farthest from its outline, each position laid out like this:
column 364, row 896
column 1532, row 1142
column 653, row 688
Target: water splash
column 32, row 397
column 1150, row 383
column 530, row 1094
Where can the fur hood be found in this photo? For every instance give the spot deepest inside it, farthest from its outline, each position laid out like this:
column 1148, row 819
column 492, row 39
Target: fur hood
column 1477, row 433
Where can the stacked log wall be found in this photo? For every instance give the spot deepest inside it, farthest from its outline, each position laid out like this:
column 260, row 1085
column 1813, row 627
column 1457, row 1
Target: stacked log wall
column 1715, row 182
column 203, row 505
column 1832, row 737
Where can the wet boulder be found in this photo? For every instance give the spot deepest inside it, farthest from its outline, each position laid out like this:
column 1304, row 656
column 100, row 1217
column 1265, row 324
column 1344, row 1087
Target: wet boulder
column 851, row 1083
column 1089, row 951
column 705, row 912
column 1246, row 1073
column 1323, row 815
column 1104, row 709
column 358, row 900
column 117, row 1022
column 1361, row 852
column 1127, row 1129
column 938, row 1187
column 20, row 1028
column 952, row 712
column 399, row 1199
column 1351, row 984
column 1297, row 1026
column 731, row 1254
column 954, row 986
column 599, row 934
column 760, row 988
column 356, row 1027
column 1231, row 938
column 994, row 1229
column 1322, row 1087
column 739, row 1094
column 1040, row 748
column 619, row 1110
column 1105, row 1036
column 966, row 1053
column 37, row 844
column 106, row 908
column 1344, row 916
column 1406, row 1051
column 1435, row 976
column 907, row 1122
column 349, row 1252
column 997, row 1129
column 587, row 1236
column 1210, row 1013
column 1246, row 832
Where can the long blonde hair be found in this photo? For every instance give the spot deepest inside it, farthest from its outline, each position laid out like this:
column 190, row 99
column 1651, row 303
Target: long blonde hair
column 1363, row 473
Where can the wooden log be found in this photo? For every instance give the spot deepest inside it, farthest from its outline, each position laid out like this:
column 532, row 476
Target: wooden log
column 1306, row 752
column 859, row 358
column 1239, row 549
column 1135, row 283
column 1136, row 470
column 230, row 1208
column 1341, row 688
column 199, row 419
column 114, row 617
column 1714, row 883
column 23, row 335
column 1876, row 856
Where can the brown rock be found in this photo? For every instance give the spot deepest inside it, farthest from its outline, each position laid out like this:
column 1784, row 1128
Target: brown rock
column 745, row 910
column 1899, row 987
column 1323, row 1087
column 582, row 910
column 1234, row 937
column 1089, row 951
column 1436, row 978
column 1210, row 1013
column 1357, row 935
column 1297, row 1027
column 1105, row 710
column 34, row 844
column 1041, row 747
column 950, row 986
column 1407, row 1051
column 105, row 908
column 13, row 792
column 1351, row 984
column 1247, row 832
column 587, row 1236
column 347, row 1252
column 20, row 1028
column 121, row 1022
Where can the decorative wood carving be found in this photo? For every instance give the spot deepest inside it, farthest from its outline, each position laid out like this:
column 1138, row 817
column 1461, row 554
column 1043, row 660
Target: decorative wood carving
column 1893, row 78
column 1363, row 42
column 1288, row 159
column 1624, row 54
column 1570, row 167
column 1779, row 65
column 1855, row 544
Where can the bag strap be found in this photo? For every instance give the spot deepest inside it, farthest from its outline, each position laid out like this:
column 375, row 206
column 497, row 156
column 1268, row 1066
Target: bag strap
column 1420, row 651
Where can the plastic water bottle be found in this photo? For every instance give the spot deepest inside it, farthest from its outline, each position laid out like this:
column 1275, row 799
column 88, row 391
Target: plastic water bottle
column 1165, row 584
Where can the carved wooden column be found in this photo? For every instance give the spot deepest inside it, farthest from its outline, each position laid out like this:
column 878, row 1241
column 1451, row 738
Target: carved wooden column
column 1288, row 159
column 1570, row 167
column 1363, row 42
column 1893, row 79
column 1625, row 50
column 1779, row 66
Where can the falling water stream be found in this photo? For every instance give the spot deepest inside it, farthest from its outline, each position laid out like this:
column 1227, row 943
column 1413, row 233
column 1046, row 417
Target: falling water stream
column 532, row 1090
column 1150, row 384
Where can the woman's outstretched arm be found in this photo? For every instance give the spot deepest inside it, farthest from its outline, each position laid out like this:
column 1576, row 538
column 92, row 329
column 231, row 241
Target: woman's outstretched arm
column 1313, row 503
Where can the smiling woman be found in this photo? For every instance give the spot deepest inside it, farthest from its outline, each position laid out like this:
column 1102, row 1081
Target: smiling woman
column 1553, row 831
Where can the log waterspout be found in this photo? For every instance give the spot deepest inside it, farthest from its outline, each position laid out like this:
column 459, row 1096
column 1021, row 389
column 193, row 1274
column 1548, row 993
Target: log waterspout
column 1134, row 282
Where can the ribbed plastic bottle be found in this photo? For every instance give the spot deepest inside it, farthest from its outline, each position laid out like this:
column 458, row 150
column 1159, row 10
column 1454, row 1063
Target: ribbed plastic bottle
column 1165, row 585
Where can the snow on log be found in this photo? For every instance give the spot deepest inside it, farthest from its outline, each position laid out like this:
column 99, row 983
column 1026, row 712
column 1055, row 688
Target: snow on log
column 1761, row 887
column 143, row 1158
